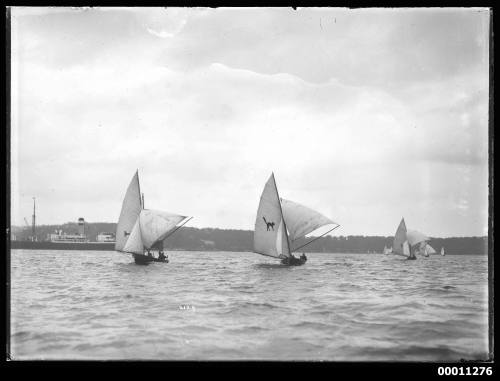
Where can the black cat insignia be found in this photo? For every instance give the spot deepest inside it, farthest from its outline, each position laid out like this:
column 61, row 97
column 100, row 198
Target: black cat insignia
column 269, row 224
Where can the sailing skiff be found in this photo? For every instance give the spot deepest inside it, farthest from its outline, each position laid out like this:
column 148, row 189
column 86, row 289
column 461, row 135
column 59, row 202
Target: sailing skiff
column 281, row 223
column 141, row 231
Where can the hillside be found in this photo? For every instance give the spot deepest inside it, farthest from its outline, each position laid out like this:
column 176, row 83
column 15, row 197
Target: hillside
column 210, row 239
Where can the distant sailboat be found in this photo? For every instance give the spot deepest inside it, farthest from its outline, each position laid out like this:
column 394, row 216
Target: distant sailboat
column 442, row 251
column 398, row 245
column 142, row 230
column 280, row 223
column 408, row 242
column 428, row 249
column 418, row 242
column 387, row 250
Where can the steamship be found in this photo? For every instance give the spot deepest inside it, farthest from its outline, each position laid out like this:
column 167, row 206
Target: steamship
column 63, row 241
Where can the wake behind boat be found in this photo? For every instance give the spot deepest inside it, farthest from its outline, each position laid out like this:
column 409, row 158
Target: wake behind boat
column 280, row 223
column 141, row 231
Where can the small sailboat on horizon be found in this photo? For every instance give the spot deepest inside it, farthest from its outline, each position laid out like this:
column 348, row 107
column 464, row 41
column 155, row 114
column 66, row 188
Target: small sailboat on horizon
column 442, row 251
column 140, row 231
column 280, row 223
column 409, row 242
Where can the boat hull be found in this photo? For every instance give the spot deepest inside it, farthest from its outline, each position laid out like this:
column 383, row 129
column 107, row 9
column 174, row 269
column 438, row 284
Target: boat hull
column 50, row 245
column 293, row 261
column 144, row 259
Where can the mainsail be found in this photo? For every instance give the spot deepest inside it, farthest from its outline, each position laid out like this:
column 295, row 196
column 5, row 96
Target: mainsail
column 399, row 238
column 406, row 248
column 151, row 227
column 301, row 220
column 131, row 208
column 415, row 237
column 155, row 225
column 270, row 234
column 429, row 249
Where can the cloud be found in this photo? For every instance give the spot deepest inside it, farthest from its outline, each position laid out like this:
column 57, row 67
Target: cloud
column 334, row 109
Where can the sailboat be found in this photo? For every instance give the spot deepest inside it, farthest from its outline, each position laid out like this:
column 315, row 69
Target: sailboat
column 442, row 251
column 418, row 243
column 387, row 250
column 408, row 242
column 280, row 223
column 428, row 249
column 400, row 244
column 140, row 231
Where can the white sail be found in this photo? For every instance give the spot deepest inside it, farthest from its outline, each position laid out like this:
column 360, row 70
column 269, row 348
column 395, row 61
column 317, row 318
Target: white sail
column 300, row 220
column 442, row 251
column 399, row 238
column 134, row 242
column 155, row 225
column 131, row 207
column 405, row 248
column 270, row 235
column 429, row 249
column 415, row 237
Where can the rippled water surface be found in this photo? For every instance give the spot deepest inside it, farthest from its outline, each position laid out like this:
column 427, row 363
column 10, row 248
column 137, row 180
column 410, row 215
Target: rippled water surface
column 243, row 306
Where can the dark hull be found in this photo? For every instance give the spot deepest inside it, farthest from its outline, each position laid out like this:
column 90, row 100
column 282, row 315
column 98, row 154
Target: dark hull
column 293, row 261
column 47, row 245
column 144, row 259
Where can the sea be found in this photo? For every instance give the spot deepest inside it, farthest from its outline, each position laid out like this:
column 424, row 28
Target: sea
column 225, row 306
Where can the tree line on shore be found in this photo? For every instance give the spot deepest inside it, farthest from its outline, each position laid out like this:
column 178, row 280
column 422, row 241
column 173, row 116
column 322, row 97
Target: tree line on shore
column 211, row 239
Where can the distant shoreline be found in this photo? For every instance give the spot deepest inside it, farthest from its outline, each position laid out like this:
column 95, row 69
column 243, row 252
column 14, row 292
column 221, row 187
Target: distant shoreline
column 232, row 240
column 97, row 246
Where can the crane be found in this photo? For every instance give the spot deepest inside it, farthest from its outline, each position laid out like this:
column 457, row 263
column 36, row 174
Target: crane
column 28, row 226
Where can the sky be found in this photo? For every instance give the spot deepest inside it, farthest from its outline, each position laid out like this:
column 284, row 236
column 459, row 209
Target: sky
column 364, row 115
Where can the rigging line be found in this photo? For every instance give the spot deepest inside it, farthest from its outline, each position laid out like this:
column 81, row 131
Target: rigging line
column 315, row 238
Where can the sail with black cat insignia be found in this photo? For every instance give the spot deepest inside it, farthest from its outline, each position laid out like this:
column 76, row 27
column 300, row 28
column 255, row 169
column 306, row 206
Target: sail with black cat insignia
column 270, row 237
column 280, row 223
column 141, row 230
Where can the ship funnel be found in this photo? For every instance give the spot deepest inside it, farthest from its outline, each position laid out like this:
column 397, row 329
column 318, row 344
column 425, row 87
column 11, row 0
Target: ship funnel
column 81, row 226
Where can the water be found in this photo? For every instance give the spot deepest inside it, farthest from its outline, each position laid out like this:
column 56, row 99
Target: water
column 243, row 306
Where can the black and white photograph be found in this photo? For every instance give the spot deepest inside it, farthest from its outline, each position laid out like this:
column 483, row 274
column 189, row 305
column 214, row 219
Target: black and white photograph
column 284, row 184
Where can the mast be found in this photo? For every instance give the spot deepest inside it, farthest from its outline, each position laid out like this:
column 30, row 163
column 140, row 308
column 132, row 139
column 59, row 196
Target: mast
column 33, row 222
column 282, row 218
